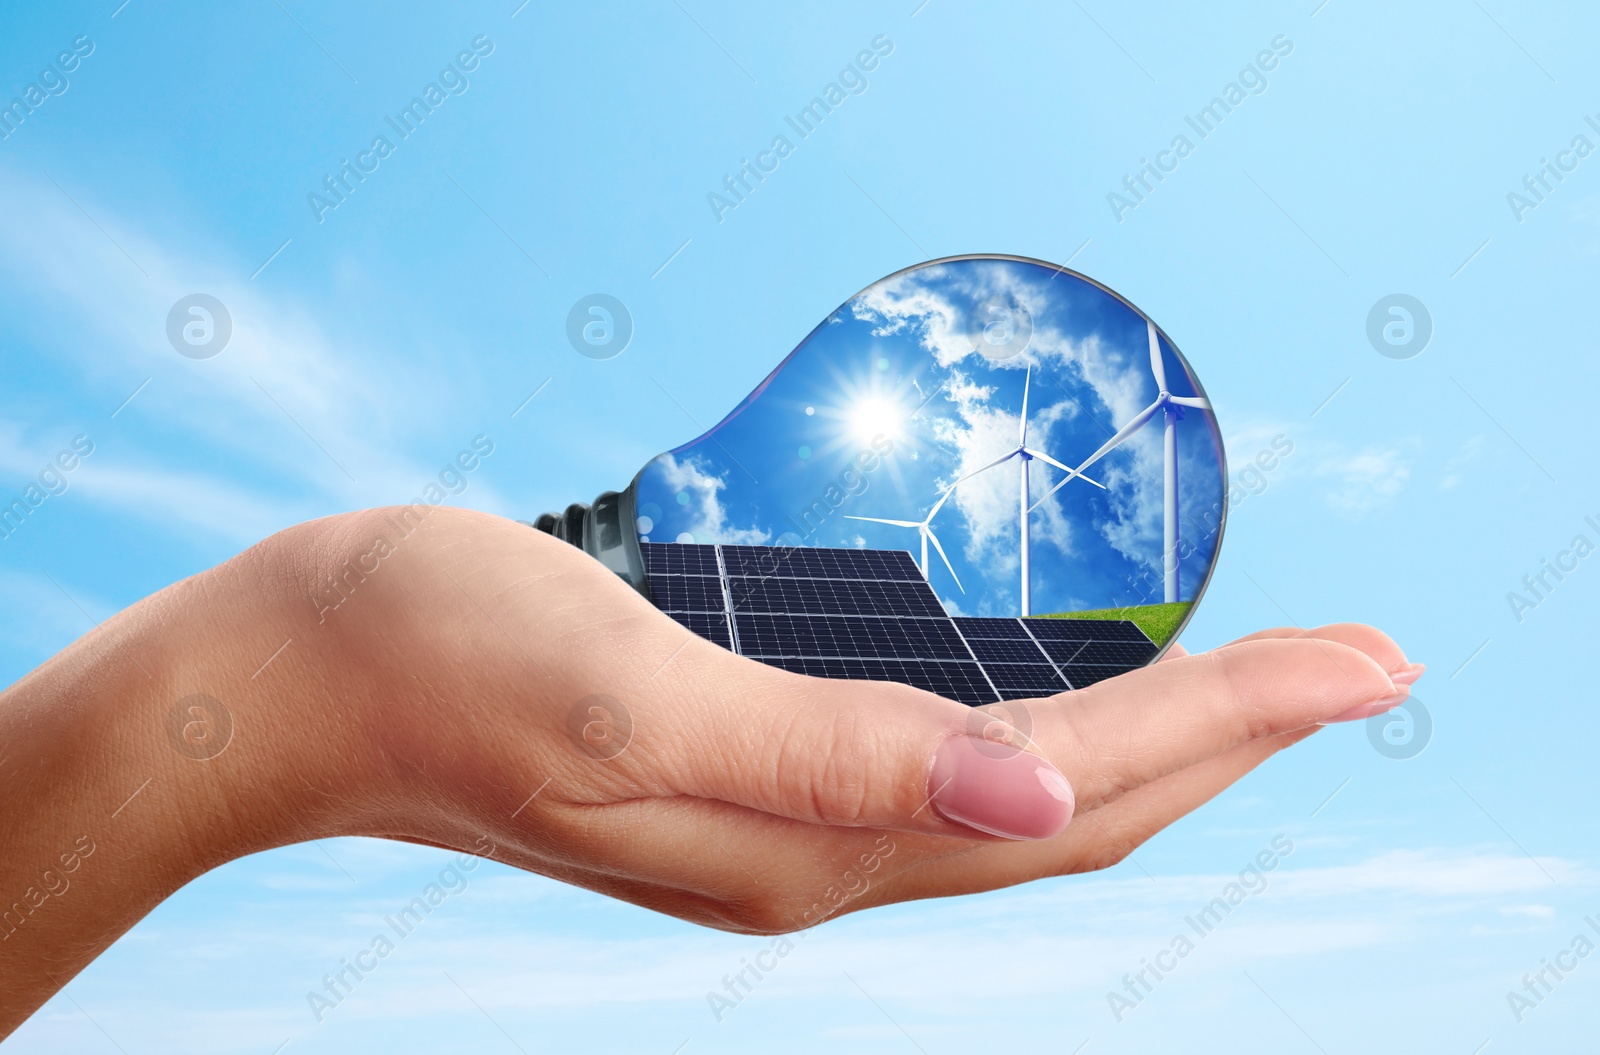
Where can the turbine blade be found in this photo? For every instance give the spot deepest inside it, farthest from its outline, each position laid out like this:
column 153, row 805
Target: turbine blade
column 1122, row 434
column 935, row 539
column 1070, row 477
column 1007, row 456
column 1022, row 427
column 1156, row 366
column 1191, row 401
column 1043, row 457
column 942, row 500
column 879, row 520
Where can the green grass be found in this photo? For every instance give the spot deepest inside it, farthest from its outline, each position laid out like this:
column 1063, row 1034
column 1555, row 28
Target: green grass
column 1158, row 621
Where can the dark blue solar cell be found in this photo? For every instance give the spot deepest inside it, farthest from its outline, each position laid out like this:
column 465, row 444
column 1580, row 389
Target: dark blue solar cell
column 833, row 597
column 809, row 563
column 674, row 558
column 687, row 593
column 999, row 650
column 1018, row 681
column 712, row 627
column 1086, row 630
column 975, row 626
column 849, row 636
column 755, row 560
column 962, row 682
column 1115, row 653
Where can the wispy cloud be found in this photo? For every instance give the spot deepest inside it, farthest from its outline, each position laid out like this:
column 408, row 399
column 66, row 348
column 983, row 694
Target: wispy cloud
column 42, row 616
column 529, row 948
column 701, row 490
column 1361, row 482
column 931, row 305
column 291, row 406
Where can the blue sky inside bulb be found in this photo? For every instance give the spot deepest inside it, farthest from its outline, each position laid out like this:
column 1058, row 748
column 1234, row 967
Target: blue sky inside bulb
column 898, row 424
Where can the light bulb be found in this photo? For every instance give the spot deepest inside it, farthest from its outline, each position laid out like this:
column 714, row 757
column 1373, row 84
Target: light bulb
column 1030, row 437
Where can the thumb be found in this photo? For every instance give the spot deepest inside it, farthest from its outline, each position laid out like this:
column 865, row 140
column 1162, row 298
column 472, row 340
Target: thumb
column 864, row 754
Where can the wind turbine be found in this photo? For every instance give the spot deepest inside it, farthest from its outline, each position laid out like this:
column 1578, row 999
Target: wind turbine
column 925, row 529
column 1025, row 454
column 1168, row 404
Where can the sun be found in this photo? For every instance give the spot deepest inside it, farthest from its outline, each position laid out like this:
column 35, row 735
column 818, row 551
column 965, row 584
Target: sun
column 873, row 416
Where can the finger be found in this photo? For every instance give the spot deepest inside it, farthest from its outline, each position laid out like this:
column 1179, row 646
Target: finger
column 723, row 865
column 852, row 753
column 1374, row 642
column 677, row 715
column 1239, row 705
column 1097, row 838
column 1131, row 821
column 1174, row 651
column 1130, row 730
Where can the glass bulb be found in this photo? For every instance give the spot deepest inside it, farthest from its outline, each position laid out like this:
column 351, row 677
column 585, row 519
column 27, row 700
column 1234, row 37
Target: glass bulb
column 1031, row 438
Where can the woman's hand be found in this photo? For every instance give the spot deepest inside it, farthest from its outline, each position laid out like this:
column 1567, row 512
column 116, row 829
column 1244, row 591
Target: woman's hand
column 460, row 680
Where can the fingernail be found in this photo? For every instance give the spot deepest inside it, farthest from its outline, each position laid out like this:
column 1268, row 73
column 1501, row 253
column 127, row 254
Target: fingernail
column 1409, row 675
column 1018, row 796
column 1367, row 710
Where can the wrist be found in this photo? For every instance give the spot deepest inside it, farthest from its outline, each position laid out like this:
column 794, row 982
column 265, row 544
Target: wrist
column 191, row 718
column 190, row 697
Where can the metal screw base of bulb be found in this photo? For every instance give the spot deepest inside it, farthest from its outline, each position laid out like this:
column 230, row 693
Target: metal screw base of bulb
column 605, row 531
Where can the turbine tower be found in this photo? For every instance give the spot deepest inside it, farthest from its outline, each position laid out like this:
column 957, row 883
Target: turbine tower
column 925, row 529
column 1025, row 454
column 1169, row 405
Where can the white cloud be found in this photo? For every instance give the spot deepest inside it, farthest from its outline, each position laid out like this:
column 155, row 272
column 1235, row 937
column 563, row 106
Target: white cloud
column 1533, row 911
column 285, row 385
column 1118, row 377
column 255, row 952
column 708, row 520
column 1466, row 461
column 1363, row 481
column 207, row 503
column 41, row 617
column 906, row 304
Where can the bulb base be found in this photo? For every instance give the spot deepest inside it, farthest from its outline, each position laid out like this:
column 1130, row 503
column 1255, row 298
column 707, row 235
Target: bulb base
column 605, row 531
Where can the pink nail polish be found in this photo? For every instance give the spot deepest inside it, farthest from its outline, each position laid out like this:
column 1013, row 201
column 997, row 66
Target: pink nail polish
column 1409, row 675
column 1367, row 710
column 1014, row 796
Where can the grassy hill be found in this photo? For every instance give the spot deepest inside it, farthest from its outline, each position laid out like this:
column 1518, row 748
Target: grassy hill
column 1158, row 621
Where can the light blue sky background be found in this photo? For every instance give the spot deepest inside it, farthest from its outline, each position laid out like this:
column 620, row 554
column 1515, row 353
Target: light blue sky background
column 432, row 303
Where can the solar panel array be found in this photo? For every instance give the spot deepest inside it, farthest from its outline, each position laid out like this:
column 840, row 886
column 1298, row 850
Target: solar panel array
column 869, row 614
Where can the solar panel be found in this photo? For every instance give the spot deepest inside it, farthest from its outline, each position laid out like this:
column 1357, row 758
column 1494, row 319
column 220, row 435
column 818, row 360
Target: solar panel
column 1016, row 681
column 857, row 636
column 713, row 626
column 1109, row 653
column 962, row 682
column 869, row 614
column 999, row 650
column 804, row 563
column 671, row 559
column 687, row 593
column 973, row 626
column 833, row 597
column 1086, row 630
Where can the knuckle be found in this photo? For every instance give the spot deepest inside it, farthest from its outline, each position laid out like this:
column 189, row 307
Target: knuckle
column 763, row 916
column 1115, row 845
column 819, row 764
column 1105, row 855
column 1239, row 674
